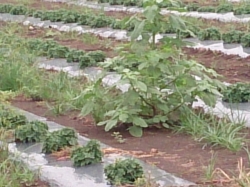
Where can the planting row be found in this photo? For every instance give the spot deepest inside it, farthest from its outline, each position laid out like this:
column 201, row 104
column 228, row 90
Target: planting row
column 222, row 8
column 121, row 172
column 52, row 49
column 104, row 21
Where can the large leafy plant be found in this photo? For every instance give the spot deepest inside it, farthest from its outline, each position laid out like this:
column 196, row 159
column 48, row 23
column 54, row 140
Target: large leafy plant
column 34, row 131
column 123, row 172
column 158, row 80
column 86, row 155
column 57, row 140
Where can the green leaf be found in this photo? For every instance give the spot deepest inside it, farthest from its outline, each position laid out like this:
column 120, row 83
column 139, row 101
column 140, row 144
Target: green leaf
column 165, row 125
column 138, row 30
column 142, row 86
column 177, row 22
column 110, row 124
column 139, row 122
column 123, row 117
column 135, row 131
column 87, row 108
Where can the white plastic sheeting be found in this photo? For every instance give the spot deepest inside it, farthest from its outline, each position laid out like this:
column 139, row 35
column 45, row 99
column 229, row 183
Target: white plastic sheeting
column 227, row 17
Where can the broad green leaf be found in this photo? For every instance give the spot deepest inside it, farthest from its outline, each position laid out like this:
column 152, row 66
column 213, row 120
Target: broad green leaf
column 110, row 124
column 101, row 123
column 142, row 86
column 123, row 117
column 138, row 30
column 139, row 122
column 110, row 113
column 151, row 12
column 177, row 22
column 136, row 131
column 87, row 108
column 165, row 125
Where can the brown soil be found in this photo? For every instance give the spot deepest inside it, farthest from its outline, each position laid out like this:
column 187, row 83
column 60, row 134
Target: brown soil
column 175, row 153
column 232, row 67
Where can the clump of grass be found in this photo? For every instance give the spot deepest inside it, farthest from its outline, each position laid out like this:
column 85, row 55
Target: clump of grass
column 212, row 129
column 13, row 173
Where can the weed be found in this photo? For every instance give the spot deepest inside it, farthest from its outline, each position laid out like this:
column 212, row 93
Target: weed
column 210, row 168
column 212, row 129
column 118, row 137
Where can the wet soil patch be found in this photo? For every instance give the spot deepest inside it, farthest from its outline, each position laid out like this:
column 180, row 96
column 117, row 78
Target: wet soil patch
column 178, row 154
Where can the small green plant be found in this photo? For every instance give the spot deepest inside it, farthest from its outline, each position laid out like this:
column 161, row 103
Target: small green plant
column 57, row 140
column 245, row 40
column 224, row 8
column 86, row 61
column 10, row 119
column 237, row 93
column 206, row 9
column 123, row 172
column 210, row 168
column 118, row 137
column 34, row 131
column 86, row 155
column 233, row 36
column 210, row 34
column 242, row 10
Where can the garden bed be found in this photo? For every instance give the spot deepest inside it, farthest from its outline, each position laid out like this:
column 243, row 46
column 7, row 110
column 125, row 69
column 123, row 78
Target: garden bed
column 178, row 154
column 232, row 67
column 66, row 97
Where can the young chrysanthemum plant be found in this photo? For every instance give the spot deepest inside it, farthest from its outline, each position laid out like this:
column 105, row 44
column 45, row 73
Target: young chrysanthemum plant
column 123, row 172
column 86, row 155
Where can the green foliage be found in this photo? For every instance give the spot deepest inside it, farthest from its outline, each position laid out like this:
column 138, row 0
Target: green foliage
column 52, row 49
column 161, row 83
column 123, row 172
column 10, row 119
column 206, row 9
column 74, row 55
column 212, row 130
column 34, row 131
column 5, row 8
column 57, row 140
column 237, row 93
column 86, row 61
column 242, row 10
column 224, row 8
column 209, row 34
column 245, row 40
column 100, row 21
column 86, row 155
column 98, row 56
column 58, row 52
column 233, row 36
column 192, row 7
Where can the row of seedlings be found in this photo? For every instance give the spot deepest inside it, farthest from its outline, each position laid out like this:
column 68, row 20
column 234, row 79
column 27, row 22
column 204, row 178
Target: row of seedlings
column 126, row 171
